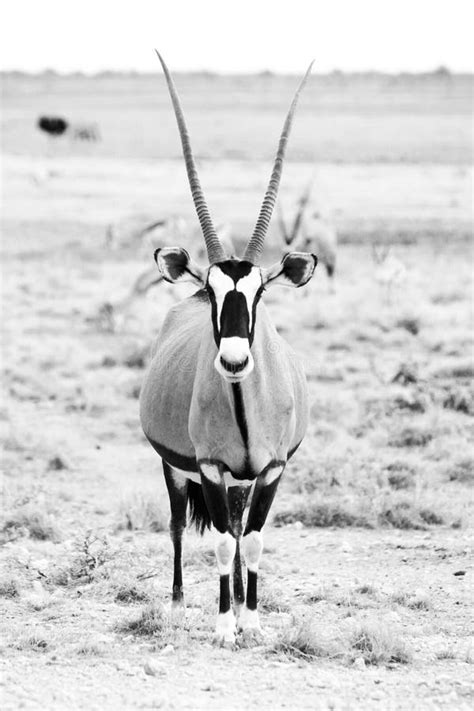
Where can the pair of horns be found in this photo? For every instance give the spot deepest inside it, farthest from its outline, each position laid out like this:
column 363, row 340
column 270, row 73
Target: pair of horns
column 290, row 237
column 254, row 248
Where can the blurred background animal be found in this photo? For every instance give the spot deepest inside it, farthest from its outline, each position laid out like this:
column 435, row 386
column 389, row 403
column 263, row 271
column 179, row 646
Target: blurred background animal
column 148, row 237
column 52, row 125
column 310, row 231
column 390, row 272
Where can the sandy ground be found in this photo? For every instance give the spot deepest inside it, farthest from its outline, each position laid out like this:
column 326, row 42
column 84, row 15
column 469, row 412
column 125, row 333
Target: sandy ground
column 74, row 450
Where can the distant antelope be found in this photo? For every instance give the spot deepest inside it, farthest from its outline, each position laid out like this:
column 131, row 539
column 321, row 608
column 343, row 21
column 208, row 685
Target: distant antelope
column 390, row 271
column 85, row 132
column 311, row 232
column 225, row 401
column 111, row 312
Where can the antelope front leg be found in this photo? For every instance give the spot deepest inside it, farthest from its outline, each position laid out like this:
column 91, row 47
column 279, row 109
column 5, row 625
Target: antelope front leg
column 252, row 543
column 215, row 496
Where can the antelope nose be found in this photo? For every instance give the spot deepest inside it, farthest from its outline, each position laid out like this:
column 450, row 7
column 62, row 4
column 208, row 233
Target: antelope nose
column 234, row 367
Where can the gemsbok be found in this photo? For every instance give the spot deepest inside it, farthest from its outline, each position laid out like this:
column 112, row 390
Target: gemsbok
column 225, row 402
column 311, row 231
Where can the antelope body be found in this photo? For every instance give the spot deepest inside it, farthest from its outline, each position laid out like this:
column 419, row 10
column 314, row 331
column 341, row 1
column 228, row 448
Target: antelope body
column 224, row 402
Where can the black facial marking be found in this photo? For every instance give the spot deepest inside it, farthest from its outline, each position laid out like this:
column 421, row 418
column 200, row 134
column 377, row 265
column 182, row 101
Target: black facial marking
column 234, row 319
column 235, row 269
column 234, row 316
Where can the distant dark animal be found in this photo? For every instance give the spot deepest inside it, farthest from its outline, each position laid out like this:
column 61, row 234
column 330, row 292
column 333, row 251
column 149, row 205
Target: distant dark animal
column 85, row 132
column 52, row 125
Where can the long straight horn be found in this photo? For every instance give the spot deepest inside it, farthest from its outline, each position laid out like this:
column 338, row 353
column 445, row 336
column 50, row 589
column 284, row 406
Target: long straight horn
column 255, row 246
column 215, row 250
column 301, row 210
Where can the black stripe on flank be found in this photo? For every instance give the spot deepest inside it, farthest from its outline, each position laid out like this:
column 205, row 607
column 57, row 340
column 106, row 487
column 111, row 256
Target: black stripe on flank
column 180, row 461
column 240, row 413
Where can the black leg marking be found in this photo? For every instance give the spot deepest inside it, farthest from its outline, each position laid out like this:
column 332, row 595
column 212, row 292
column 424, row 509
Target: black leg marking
column 178, row 502
column 252, row 589
column 215, row 494
column 237, row 497
column 224, row 596
column 262, row 500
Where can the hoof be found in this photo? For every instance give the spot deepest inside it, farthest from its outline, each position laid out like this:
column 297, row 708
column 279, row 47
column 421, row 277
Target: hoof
column 224, row 635
column 176, row 612
column 248, row 621
column 224, row 642
column 252, row 637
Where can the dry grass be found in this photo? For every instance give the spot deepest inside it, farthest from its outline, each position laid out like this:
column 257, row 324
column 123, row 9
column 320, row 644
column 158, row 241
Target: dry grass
column 152, row 621
column 9, row 587
column 29, row 520
column 417, row 600
column 377, row 643
column 141, row 511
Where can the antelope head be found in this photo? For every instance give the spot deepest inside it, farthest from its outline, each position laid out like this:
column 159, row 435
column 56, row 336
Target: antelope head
column 234, row 286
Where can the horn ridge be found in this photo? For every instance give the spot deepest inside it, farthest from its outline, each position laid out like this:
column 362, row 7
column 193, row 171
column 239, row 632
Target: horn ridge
column 215, row 250
column 255, row 246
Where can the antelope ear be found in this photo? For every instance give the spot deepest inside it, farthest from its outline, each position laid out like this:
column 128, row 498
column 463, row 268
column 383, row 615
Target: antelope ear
column 176, row 265
column 295, row 269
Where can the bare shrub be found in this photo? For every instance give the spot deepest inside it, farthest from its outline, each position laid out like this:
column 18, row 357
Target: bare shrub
column 92, row 553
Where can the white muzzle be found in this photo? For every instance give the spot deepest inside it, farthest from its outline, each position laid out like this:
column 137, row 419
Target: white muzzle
column 234, row 360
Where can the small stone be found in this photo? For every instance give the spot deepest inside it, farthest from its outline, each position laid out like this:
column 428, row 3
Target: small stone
column 359, row 663
column 169, row 649
column 153, row 667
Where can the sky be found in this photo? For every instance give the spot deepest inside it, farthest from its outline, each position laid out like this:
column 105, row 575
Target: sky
column 237, row 35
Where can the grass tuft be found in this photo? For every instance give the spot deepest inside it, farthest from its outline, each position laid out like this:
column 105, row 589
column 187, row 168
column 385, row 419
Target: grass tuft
column 151, row 622
column 373, row 641
column 32, row 521
column 410, row 436
column 130, row 594
column 9, row 587
column 462, row 470
column 378, row 644
column 142, row 512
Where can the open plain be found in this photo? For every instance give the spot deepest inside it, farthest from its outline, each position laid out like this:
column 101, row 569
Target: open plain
column 366, row 586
